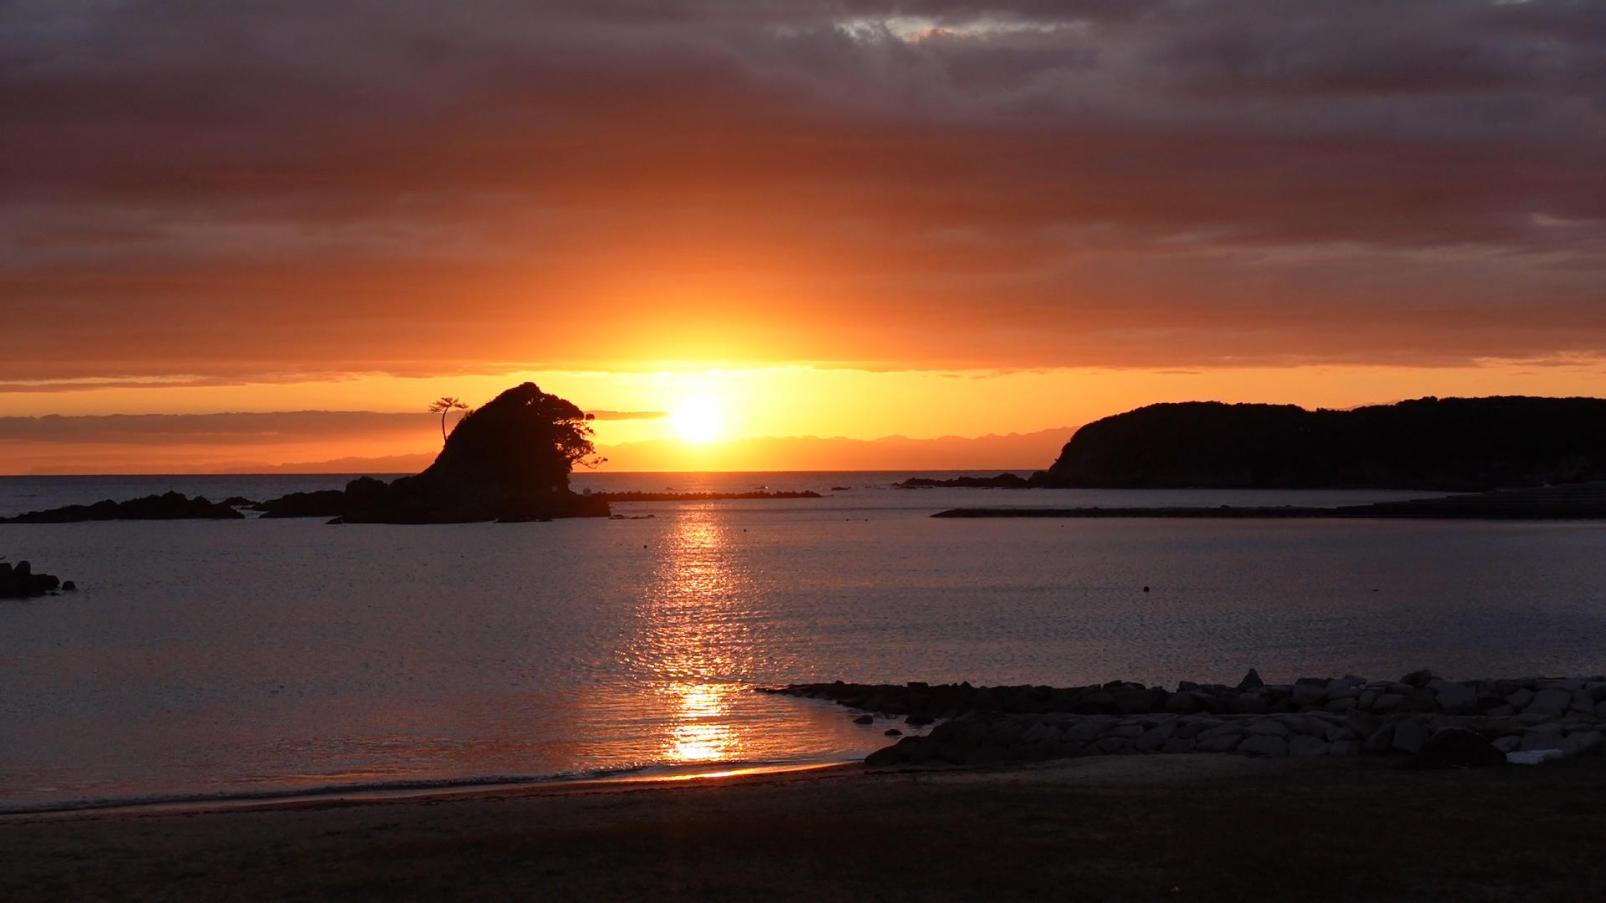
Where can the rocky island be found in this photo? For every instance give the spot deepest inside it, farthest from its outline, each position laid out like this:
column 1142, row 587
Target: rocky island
column 1448, row 444
column 508, row 460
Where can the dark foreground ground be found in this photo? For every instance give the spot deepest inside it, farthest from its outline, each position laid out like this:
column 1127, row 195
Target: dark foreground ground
column 1118, row 828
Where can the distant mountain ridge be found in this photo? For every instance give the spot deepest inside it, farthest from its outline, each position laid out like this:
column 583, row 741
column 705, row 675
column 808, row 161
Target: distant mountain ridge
column 1451, row 444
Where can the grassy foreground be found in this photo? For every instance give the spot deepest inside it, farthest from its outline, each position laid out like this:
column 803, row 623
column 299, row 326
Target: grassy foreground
column 1116, row 828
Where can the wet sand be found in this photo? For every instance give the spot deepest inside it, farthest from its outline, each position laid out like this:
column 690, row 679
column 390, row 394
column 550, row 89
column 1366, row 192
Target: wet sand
column 1123, row 827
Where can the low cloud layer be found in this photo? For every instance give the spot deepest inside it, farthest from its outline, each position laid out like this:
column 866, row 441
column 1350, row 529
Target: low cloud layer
column 236, row 428
column 223, row 191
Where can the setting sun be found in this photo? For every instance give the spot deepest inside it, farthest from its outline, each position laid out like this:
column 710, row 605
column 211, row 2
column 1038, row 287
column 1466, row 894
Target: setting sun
column 698, row 419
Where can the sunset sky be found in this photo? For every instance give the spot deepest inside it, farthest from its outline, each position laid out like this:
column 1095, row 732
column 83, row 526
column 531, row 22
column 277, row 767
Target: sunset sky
column 250, row 234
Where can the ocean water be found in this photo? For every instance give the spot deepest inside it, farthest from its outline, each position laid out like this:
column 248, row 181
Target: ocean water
column 254, row 657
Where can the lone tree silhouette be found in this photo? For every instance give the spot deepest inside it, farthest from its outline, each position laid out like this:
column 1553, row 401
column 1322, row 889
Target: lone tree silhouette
column 443, row 406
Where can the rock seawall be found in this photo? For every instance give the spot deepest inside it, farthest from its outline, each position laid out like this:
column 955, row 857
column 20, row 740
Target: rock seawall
column 1480, row 722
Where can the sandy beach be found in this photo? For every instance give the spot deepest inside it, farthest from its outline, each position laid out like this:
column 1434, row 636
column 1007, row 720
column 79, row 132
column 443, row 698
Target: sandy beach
column 1200, row 827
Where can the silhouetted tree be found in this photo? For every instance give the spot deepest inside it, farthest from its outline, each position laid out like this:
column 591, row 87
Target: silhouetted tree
column 443, row 406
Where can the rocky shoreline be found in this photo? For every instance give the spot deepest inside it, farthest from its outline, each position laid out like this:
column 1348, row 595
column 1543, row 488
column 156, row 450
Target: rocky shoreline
column 1578, row 501
column 1433, row 720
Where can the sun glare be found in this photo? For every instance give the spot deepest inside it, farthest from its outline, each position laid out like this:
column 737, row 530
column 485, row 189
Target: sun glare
column 698, row 419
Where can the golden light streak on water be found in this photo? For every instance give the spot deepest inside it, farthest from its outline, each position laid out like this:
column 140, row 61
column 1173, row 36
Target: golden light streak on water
column 693, row 627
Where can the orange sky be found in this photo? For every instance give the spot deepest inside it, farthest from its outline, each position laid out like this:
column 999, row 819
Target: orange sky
column 829, row 219
column 641, row 413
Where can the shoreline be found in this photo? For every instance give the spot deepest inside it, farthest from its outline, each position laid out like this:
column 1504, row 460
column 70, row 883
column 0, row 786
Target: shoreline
column 416, row 790
column 1213, row 827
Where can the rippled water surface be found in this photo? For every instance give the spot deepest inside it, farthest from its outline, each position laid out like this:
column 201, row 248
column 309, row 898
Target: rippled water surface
column 250, row 656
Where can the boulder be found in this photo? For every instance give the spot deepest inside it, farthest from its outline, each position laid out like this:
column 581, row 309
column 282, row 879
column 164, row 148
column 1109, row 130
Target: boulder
column 1309, row 695
column 1251, row 703
column 1551, row 701
column 1268, row 728
column 1262, row 745
column 1387, row 702
column 1454, row 698
column 1380, row 740
column 1582, row 743
column 1307, row 746
column 1251, row 681
column 1222, row 742
column 1410, row 736
column 1418, row 679
column 1541, row 739
column 1455, row 747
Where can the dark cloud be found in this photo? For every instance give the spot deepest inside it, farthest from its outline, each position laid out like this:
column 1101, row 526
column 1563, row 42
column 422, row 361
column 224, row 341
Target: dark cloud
column 214, row 429
column 219, row 190
column 229, row 428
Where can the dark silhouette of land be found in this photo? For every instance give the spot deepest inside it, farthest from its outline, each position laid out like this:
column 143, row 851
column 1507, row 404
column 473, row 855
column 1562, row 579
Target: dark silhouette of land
column 508, row 460
column 1001, row 481
column 167, row 506
column 1451, row 444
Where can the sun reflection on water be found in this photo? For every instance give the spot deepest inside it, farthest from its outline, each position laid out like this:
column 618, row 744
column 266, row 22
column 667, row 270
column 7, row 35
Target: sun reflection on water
column 701, row 734
column 695, row 647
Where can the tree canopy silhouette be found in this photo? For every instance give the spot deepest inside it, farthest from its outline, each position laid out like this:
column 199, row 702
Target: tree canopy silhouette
column 522, row 443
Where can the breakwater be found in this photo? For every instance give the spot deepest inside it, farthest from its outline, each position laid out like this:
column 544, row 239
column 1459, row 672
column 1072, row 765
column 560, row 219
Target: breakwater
column 1438, row 721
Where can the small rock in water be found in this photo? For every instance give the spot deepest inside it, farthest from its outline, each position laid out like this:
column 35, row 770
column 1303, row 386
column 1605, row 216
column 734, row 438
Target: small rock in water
column 892, row 732
column 69, row 586
column 864, row 719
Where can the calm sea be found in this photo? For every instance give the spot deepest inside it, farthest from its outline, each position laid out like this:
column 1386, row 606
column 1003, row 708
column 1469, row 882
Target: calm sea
column 256, row 657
